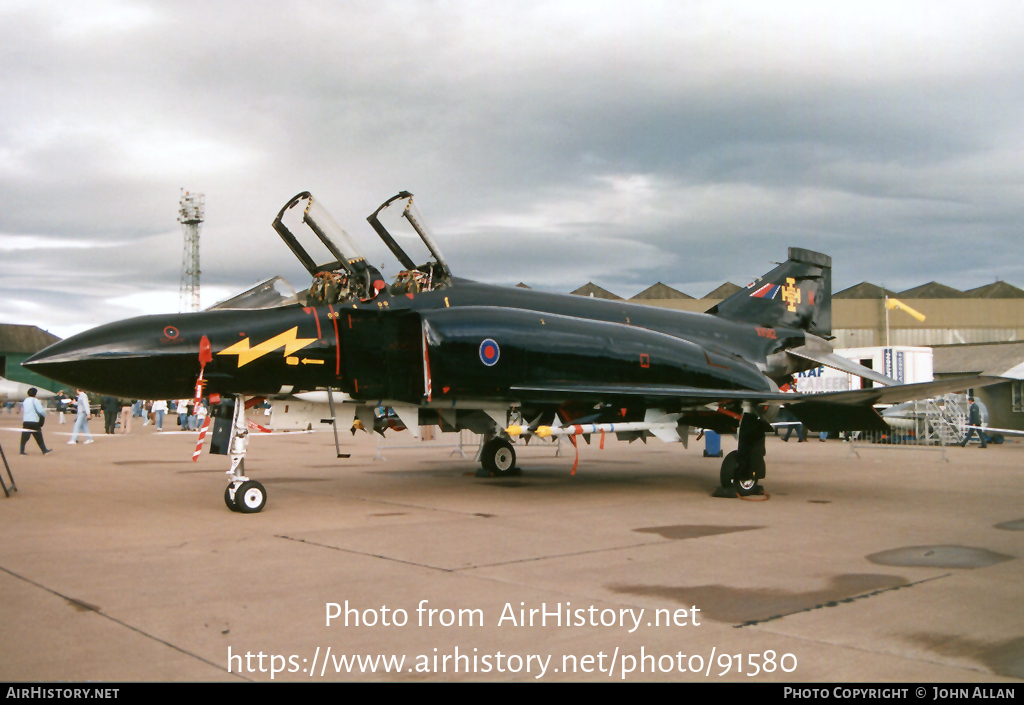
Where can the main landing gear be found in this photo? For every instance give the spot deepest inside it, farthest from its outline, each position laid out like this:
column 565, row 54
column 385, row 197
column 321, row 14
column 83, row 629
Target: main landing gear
column 498, row 458
column 743, row 467
column 242, row 494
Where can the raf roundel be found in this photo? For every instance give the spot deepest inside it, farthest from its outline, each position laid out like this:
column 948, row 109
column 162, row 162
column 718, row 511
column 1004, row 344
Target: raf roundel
column 489, row 352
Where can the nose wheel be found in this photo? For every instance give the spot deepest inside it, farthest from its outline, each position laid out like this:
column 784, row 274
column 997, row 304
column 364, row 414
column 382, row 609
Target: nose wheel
column 247, row 497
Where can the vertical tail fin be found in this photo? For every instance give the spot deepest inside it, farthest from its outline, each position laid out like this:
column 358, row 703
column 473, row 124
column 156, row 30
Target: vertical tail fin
column 796, row 294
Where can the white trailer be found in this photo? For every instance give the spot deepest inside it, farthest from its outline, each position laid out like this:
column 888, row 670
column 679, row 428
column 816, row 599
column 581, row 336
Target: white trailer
column 907, row 364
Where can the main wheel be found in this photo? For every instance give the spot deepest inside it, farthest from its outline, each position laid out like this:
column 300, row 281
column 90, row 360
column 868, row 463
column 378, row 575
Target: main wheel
column 228, row 500
column 745, row 479
column 498, row 456
column 728, row 472
column 250, row 497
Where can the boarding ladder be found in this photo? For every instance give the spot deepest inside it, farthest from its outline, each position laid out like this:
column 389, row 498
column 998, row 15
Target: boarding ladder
column 946, row 420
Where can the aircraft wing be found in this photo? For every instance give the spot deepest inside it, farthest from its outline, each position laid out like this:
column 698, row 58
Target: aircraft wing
column 901, row 392
column 851, row 410
column 838, row 362
column 854, row 410
column 1001, row 431
column 17, row 391
column 652, row 394
column 875, row 395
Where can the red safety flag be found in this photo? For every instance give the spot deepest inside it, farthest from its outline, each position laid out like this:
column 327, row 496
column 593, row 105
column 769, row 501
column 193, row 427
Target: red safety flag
column 205, row 355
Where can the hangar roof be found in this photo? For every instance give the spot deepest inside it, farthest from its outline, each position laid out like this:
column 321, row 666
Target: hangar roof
column 723, row 292
column 997, row 290
column 592, row 289
column 864, row 290
column 932, row 290
column 661, row 291
column 16, row 338
column 984, row 358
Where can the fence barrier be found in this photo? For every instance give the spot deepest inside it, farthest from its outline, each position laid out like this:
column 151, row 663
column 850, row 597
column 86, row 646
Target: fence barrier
column 927, row 424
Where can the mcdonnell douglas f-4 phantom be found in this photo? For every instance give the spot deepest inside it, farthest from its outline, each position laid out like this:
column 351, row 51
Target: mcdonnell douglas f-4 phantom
column 502, row 362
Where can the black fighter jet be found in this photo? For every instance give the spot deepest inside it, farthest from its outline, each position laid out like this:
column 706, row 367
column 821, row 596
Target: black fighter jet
column 500, row 361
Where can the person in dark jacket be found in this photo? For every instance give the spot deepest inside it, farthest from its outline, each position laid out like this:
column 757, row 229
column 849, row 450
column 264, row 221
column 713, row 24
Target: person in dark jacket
column 974, row 419
column 111, row 408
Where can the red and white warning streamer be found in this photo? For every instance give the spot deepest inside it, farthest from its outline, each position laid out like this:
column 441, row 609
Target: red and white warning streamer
column 202, row 438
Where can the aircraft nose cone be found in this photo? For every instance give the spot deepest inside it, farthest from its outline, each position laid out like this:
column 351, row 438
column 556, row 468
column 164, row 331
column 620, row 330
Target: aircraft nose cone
column 134, row 358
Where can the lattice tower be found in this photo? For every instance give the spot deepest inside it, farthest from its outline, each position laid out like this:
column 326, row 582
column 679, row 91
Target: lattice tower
column 191, row 209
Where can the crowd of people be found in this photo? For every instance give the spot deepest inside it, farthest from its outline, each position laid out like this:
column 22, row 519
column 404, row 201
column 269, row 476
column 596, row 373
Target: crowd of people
column 188, row 415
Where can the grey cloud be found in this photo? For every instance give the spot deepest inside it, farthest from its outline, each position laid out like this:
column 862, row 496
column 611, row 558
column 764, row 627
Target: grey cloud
column 888, row 138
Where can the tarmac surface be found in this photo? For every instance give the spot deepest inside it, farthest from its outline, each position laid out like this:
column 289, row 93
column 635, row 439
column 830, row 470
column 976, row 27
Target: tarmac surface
column 120, row 562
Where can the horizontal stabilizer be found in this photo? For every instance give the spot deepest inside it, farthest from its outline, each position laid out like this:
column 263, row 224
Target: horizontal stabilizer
column 838, row 362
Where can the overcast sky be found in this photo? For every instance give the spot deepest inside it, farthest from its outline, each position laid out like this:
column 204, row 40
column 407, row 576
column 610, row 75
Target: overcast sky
column 552, row 143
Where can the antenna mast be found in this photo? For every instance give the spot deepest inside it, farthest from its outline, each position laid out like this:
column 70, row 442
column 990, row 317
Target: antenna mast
column 191, row 209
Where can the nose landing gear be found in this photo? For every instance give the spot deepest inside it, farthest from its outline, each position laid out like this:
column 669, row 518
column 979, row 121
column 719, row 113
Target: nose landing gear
column 242, row 494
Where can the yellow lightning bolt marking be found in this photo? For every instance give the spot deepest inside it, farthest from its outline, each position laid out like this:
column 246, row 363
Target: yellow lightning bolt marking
column 288, row 339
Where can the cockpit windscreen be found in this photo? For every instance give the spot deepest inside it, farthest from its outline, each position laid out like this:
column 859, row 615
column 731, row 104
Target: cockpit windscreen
column 271, row 293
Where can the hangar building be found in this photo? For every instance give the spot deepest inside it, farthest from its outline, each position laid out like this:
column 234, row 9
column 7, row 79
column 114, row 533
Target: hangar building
column 18, row 343
column 971, row 332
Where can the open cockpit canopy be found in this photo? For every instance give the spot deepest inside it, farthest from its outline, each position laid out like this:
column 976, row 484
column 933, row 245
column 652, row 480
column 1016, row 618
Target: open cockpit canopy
column 407, row 224
column 340, row 271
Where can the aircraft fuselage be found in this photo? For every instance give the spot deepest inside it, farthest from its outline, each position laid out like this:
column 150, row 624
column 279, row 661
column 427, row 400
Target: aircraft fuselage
column 416, row 348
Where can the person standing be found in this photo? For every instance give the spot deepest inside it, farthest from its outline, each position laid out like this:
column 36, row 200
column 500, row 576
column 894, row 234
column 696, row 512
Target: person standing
column 126, row 417
column 159, row 409
column 82, row 419
column 110, row 407
column 182, row 412
column 200, row 416
column 32, row 411
column 974, row 419
column 62, row 403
